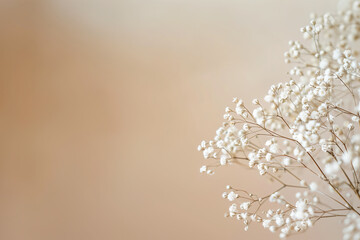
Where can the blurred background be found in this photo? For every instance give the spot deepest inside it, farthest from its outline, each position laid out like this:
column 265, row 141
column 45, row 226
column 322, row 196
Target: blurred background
column 103, row 104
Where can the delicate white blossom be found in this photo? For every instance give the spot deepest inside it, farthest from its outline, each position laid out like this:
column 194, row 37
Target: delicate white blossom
column 304, row 137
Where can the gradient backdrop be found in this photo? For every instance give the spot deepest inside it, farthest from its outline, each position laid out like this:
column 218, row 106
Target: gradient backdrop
column 103, row 104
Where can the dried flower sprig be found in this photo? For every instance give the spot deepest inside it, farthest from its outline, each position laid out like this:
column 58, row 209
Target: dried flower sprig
column 305, row 136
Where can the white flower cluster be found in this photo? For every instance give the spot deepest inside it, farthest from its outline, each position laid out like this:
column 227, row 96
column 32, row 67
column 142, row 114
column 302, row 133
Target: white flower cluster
column 305, row 136
column 352, row 227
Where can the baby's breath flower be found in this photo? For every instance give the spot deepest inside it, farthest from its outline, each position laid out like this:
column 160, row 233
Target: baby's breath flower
column 305, row 136
column 232, row 196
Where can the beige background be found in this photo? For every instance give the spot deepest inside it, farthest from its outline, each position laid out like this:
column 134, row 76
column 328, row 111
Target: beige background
column 103, row 104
